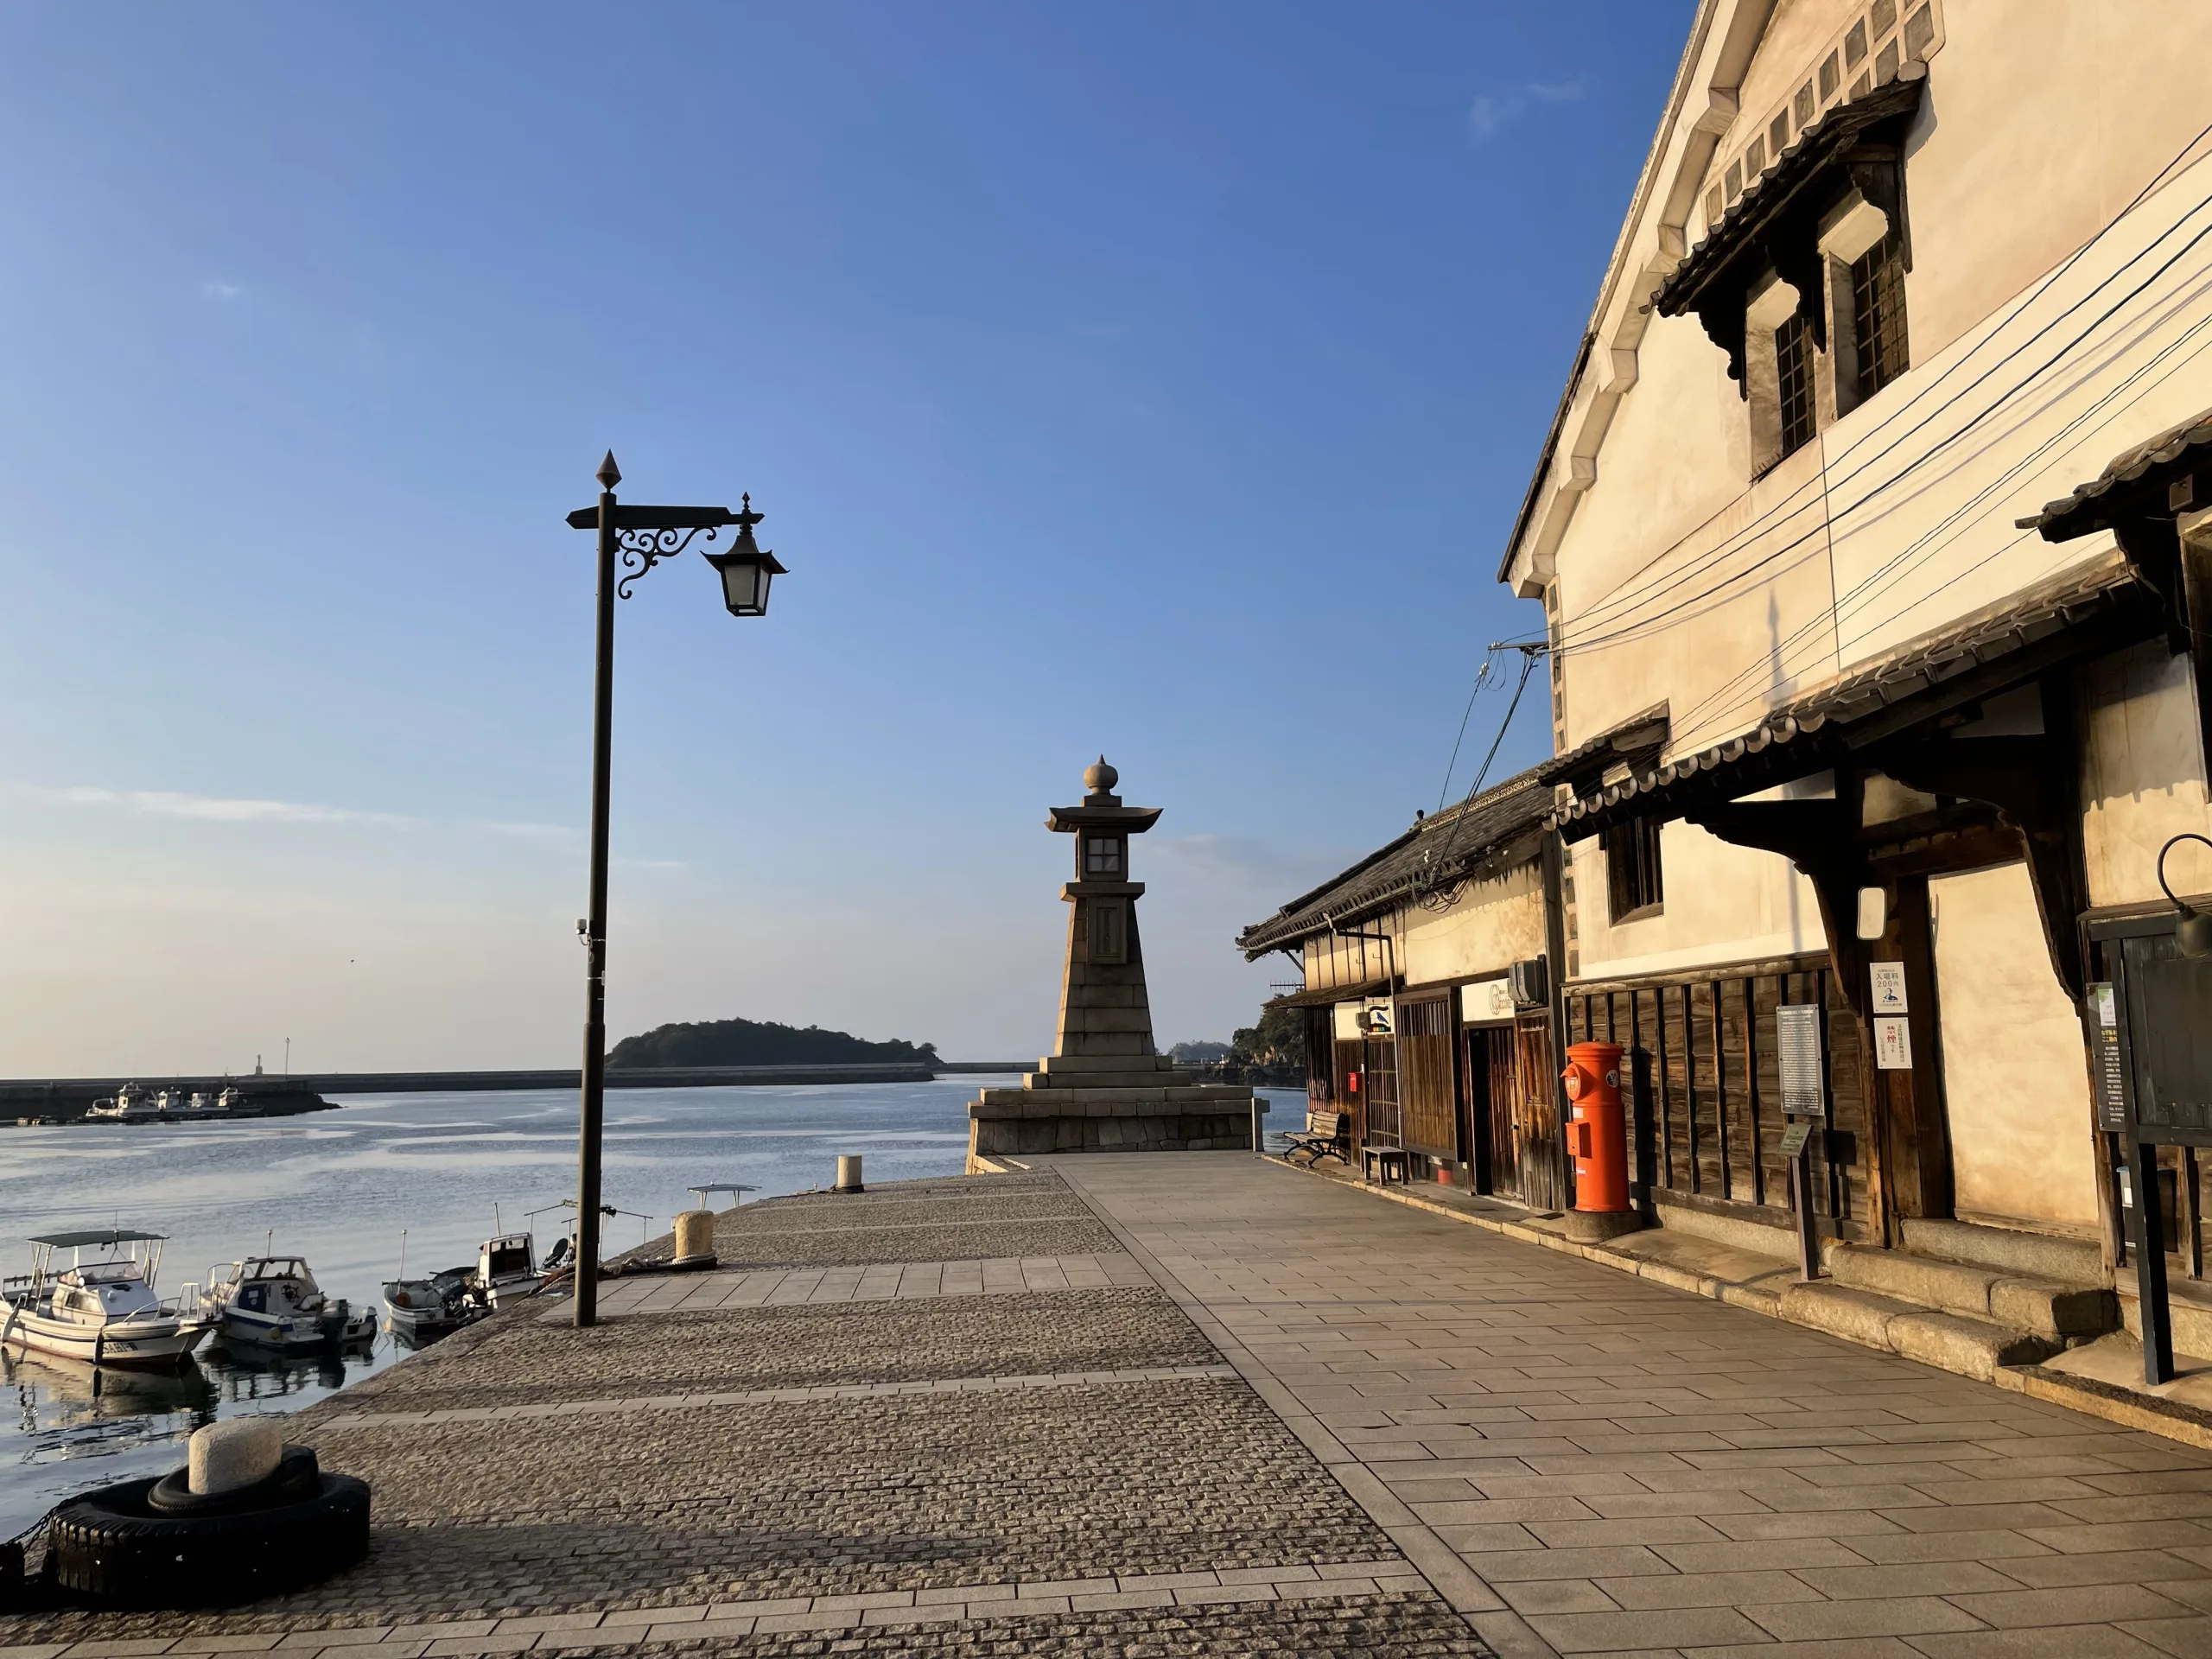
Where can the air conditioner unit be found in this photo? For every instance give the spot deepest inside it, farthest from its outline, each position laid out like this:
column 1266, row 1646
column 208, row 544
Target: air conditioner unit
column 1531, row 983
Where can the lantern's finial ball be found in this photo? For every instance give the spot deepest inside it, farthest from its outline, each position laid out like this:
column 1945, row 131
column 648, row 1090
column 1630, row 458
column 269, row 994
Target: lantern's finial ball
column 1100, row 778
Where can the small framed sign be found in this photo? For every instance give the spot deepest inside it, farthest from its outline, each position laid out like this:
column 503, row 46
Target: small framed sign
column 2111, row 1076
column 1888, row 987
column 1892, row 1043
column 1794, row 1139
column 1487, row 1001
column 1798, row 1046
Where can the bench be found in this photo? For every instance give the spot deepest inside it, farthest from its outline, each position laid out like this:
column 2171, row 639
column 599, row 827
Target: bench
column 1326, row 1134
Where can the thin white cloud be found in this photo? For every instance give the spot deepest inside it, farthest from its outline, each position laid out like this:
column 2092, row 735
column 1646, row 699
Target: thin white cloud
column 211, row 809
column 1491, row 111
column 215, row 289
column 1487, row 113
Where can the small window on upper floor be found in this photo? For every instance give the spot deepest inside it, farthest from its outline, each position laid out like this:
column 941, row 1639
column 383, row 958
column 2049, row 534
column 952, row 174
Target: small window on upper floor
column 1878, row 327
column 1633, row 887
column 1793, row 360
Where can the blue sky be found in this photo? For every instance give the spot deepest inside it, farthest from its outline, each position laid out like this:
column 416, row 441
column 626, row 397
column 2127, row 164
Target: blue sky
column 1153, row 379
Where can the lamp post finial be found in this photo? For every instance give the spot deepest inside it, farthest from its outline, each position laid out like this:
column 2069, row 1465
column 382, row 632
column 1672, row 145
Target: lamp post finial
column 609, row 474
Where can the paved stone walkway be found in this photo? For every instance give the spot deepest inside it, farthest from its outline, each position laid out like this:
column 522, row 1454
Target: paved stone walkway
column 1588, row 1463
column 911, row 1453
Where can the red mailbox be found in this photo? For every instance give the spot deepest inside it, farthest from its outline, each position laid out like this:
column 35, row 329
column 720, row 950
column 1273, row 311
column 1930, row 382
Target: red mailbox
column 1596, row 1135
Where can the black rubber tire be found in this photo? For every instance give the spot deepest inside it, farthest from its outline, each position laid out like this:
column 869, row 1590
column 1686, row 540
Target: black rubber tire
column 294, row 1478
column 110, row 1548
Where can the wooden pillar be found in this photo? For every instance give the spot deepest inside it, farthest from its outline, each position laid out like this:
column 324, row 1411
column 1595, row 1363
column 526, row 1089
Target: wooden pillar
column 1916, row 1133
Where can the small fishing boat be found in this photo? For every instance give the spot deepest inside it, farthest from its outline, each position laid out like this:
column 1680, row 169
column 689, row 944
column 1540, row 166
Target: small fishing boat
column 418, row 1310
column 506, row 1269
column 128, row 1104
column 274, row 1302
column 106, row 1309
column 506, row 1266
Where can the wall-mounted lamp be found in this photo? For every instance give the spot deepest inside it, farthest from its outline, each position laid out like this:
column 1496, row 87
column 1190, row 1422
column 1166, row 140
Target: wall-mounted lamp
column 1873, row 912
column 2192, row 927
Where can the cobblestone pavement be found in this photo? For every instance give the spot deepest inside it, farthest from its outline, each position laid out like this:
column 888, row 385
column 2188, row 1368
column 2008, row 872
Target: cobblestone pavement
column 1384, row 1627
column 951, row 1219
column 1035, row 1470
column 886, row 1281
column 795, row 1346
column 1634, row 1469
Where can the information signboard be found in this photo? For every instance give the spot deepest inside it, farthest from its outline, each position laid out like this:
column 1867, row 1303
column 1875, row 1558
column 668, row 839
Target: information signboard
column 1892, row 1043
column 1797, row 1045
column 2111, row 1075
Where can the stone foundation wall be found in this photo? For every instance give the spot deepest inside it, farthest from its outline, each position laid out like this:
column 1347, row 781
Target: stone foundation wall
column 1164, row 1130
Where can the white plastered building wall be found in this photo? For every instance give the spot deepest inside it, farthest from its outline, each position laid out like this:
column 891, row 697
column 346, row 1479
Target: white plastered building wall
column 2060, row 312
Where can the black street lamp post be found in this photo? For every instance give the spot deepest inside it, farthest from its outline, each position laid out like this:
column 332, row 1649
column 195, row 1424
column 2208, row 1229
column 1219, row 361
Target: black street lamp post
column 642, row 536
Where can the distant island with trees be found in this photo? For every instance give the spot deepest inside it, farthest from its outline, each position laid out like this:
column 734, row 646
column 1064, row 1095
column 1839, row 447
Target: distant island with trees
column 760, row 1042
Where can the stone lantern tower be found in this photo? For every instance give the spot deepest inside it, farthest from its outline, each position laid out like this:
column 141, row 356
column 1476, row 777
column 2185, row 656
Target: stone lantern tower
column 1104, row 1012
column 1105, row 1089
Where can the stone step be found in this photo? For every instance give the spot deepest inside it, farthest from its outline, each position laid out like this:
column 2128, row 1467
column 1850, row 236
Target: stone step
column 2190, row 1320
column 1126, row 1079
column 1053, row 1063
column 2047, row 1308
column 2008, row 1250
column 1953, row 1342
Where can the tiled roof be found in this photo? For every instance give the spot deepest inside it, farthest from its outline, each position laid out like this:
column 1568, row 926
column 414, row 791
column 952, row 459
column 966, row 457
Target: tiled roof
column 2087, row 508
column 1434, row 852
column 1919, row 666
column 1765, row 200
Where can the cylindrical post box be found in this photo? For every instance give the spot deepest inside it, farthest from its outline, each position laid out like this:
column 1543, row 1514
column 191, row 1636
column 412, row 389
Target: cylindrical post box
column 848, row 1173
column 1596, row 1135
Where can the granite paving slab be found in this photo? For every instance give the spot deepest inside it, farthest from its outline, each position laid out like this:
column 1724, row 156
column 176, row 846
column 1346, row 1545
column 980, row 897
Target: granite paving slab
column 1632, row 1467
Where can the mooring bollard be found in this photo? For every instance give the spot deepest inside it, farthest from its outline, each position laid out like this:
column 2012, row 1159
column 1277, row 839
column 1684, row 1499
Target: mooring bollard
column 236, row 1452
column 848, row 1173
column 694, row 1239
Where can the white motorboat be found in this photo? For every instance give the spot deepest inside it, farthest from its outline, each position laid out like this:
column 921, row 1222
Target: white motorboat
column 273, row 1301
column 506, row 1269
column 104, row 1311
column 506, row 1266
column 419, row 1309
column 128, row 1104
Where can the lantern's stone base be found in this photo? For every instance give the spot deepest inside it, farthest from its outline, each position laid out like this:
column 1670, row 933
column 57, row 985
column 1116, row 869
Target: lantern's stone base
column 1121, row 1104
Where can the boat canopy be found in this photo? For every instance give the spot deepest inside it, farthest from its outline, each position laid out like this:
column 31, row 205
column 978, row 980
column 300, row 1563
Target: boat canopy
column 103, row 1236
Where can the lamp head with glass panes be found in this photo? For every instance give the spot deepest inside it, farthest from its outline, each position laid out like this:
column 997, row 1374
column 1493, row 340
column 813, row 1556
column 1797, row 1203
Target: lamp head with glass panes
column 747, row 569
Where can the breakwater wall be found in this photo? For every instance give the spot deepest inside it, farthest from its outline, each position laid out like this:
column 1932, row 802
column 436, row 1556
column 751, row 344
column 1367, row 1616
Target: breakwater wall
column 68, row 1094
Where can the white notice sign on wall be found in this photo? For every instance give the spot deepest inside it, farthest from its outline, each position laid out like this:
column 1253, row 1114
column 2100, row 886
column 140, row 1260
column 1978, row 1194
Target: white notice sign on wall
column 1892, row 1043
column 1485, row 1001
column 1888, row 987
column 1797, row 1031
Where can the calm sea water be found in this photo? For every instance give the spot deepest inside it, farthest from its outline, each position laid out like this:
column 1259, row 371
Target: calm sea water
column 340, row 1187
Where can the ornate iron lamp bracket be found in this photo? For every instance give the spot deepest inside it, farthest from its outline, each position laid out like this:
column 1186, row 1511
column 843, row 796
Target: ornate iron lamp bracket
column 646, row 535
column 641, row 549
